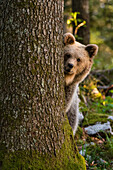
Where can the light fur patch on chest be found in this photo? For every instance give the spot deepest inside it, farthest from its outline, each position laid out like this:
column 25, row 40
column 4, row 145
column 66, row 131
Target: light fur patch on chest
column 69, row 79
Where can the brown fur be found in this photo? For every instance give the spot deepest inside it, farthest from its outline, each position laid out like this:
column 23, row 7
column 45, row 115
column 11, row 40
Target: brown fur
column 78, row 60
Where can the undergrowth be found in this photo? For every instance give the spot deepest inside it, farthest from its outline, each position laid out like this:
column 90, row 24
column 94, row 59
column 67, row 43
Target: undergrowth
column 96, row 106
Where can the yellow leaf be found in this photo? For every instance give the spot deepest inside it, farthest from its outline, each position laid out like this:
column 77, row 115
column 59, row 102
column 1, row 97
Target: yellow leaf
column 104, row 103
column 84, row 86
column 68, row 21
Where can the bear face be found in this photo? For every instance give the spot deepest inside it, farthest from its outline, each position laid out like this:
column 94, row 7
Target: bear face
column 78, row 59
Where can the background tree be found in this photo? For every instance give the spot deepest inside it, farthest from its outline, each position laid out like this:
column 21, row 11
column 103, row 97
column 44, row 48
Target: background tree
column 82, row 6
column 34, row 131
column 101, row 28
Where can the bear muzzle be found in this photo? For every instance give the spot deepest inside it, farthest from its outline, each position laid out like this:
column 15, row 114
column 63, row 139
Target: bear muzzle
column 68, row 68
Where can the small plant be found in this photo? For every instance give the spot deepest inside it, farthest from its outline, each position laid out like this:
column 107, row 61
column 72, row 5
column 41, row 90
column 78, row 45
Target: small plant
column 75, row 22
column 98, row 102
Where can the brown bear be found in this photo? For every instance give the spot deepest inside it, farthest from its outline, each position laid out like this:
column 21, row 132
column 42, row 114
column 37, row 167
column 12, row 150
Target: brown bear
column 78, row 59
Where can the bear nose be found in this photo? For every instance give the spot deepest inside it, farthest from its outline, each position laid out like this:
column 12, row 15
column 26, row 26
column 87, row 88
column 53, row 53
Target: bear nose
column 70, row 65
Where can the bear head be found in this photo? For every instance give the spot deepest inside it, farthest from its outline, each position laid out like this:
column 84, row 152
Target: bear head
column 78, row 59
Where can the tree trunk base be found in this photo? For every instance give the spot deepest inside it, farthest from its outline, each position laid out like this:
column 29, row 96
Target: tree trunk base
column 67, row 157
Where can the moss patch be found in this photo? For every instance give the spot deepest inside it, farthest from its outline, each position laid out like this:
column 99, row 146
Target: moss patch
column 93, row 118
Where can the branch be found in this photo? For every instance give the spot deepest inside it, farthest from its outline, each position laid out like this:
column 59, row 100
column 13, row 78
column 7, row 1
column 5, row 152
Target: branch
column 105, row 76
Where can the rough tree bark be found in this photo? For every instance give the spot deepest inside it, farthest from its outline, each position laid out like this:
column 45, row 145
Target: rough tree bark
column 34, row 131
column 82, row 6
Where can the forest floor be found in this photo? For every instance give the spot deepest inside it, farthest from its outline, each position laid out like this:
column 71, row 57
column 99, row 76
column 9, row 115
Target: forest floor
column 96, row 105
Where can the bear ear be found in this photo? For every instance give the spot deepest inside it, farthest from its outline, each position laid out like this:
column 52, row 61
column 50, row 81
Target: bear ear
column 92, row 49
column 68, row 39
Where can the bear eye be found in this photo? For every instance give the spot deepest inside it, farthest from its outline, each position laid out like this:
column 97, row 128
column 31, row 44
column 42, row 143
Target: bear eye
column 78, row 59
column 68, row 55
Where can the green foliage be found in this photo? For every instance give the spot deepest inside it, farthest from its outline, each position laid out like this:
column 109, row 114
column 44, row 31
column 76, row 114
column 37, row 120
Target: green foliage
column 103, row 106
column 104, row 58
column 96, row 160
column 96, row 104
column 75, row 22
column 101, row 28
column 101, row 14
column 100, row 154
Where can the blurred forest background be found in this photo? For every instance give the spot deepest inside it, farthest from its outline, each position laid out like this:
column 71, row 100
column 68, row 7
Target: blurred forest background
column 91, row 21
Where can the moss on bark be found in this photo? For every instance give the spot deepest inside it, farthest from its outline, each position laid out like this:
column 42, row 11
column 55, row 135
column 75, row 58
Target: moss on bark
column 67, row 157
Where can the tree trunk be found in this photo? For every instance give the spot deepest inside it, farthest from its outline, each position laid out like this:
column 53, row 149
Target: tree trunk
column 34, row 132
column 82, row 6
